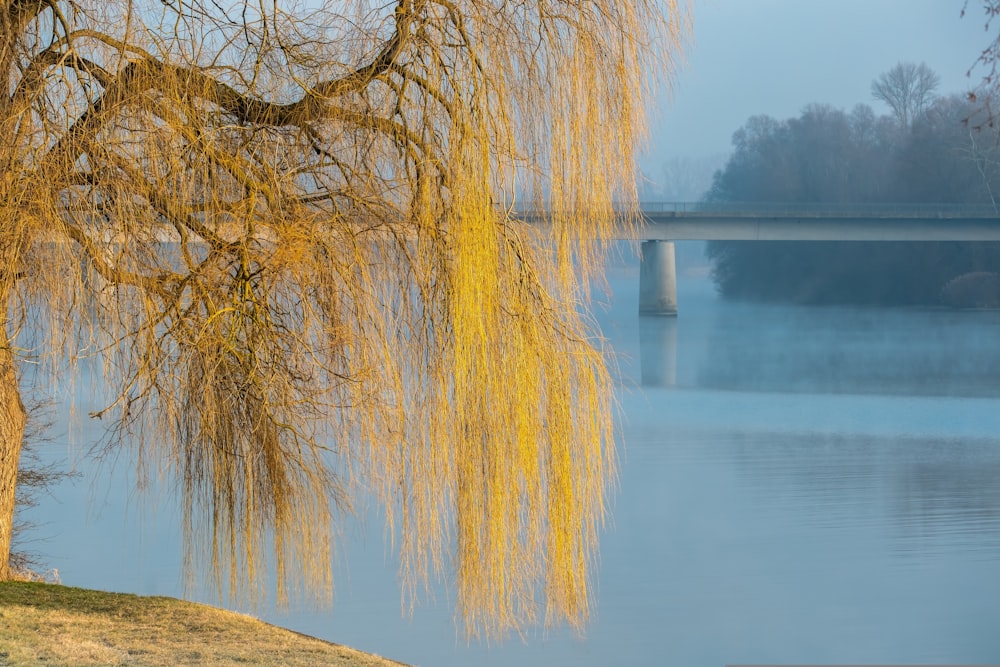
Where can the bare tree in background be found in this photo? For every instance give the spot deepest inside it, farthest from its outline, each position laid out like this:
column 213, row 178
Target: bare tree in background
column 908, row 89
column 283, row 230
column 687, row 178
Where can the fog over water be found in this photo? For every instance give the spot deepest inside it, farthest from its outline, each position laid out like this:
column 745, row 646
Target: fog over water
column 798, row 485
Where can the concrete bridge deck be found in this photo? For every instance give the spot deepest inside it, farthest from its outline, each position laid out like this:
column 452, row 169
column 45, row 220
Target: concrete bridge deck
column 819, row 222
column 665, row 223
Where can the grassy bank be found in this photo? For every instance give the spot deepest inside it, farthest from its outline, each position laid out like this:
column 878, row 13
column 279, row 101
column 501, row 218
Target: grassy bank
column 58, row 625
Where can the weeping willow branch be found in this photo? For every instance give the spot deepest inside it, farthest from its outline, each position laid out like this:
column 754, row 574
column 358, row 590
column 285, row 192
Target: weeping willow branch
column 289, row 238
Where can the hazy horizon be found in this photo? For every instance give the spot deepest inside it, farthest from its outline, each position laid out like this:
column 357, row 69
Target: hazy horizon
column 775, row 57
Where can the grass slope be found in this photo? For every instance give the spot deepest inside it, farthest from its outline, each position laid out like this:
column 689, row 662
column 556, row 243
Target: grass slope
column 58, row 625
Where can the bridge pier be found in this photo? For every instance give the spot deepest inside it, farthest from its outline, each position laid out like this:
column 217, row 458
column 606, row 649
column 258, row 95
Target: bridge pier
column 658, row 279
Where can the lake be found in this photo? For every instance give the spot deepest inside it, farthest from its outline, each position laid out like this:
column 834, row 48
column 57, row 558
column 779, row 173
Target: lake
column 798, row 485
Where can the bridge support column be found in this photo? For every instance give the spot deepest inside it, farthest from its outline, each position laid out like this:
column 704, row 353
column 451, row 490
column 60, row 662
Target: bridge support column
column 657, row 279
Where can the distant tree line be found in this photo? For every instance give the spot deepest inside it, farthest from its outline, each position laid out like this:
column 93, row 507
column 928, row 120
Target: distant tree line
column 928, row 150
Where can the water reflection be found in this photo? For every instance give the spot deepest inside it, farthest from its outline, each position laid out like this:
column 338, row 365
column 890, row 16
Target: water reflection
column 658, row 351
column 948, row 504
column 853, row 350
column 935, row 495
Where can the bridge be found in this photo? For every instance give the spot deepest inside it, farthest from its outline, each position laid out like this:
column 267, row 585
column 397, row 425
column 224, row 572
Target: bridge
column 664, row 223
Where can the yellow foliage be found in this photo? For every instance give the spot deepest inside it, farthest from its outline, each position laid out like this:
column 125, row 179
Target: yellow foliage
column 291, row 234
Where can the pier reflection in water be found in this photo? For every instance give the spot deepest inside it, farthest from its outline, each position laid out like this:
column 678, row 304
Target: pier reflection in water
column 658, row 351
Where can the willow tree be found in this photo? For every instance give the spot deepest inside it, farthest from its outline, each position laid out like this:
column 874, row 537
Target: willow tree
column 288, row 234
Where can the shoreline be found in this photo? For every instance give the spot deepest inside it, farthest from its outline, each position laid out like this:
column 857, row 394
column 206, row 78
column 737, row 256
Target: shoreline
column 51, row 623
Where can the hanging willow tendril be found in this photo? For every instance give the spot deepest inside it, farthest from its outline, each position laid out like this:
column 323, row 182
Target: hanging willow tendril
column 289, row 232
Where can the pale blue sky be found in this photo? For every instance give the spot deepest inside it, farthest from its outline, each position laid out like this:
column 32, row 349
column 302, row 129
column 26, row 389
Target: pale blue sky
column 774, row 57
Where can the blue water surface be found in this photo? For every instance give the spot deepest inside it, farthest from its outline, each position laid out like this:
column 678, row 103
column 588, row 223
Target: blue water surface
column 798, row 485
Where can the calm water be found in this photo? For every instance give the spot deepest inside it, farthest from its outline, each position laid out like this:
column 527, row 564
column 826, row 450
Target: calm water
column 798, row 486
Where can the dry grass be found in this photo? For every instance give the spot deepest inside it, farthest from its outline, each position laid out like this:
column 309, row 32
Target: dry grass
column 58, row 625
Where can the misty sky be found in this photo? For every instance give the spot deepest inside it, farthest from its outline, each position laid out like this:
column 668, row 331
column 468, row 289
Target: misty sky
column 774, row 57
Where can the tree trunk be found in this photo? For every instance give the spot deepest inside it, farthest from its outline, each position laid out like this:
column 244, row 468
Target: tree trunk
column 12, row 421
